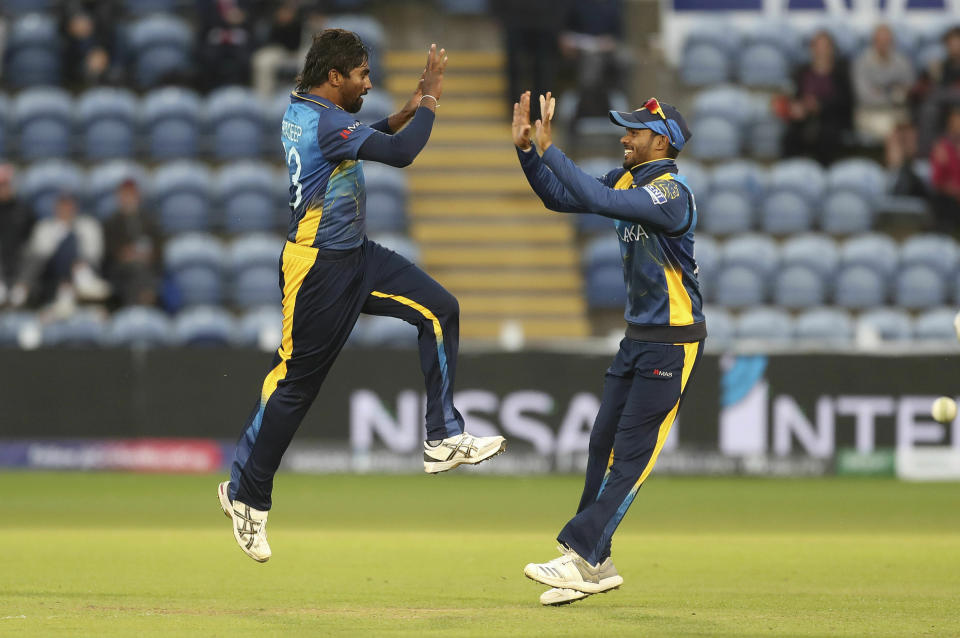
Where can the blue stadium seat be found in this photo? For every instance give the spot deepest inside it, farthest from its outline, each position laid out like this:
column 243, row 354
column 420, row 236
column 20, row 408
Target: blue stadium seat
column 388, row 332
column 825, row 327
column 765, row 323
column 32, row 56
column 754, row 251
column 161, row 45
column 386, row 198
column 846, row 212
column 377, row 105
column 256, row 286
column 936, row 324
column 43, row 119
column 172, row 122
column 41, row 184
column 13, row 328
column 182, row 195
column 735, row 189
column 938, row 252
column 140, row 326
column 812, row 250
column 800, row 175
column 739, row 286
column 716, row 138
column 887, row 324
column 697, row 177
column 795, row 188
column 400, row 244
column 256, row 250
column 195, row 250
column 858, row 287
column 102, row 183
column 722, row 326
column 709, row 255
column 919, row 287
column 248, row 196
column 108, row 122
column 204, row 326
column 704, row 64
column 261, row 328
column 873, row 250
column 766, row 134
column 604, row 251
column 782, row 35
column 83, row 329
column 798, row 287
column 236, row 118
column 605, row 288
column 731, row 103
column 765, row 65
column 786, row 212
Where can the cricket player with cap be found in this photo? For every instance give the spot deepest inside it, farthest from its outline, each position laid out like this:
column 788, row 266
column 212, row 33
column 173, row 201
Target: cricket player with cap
column 330, row 272
column 654, row 214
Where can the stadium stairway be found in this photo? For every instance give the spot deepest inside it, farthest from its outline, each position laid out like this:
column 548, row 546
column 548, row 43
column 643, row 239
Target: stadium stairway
column 481, row 230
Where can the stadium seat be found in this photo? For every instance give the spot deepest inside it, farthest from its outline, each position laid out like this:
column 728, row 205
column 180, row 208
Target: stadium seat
column 204, row 326
column 696, row 176
column 14, row 326
column 709, row 255
column 236, row 120
column 193, row 250
column 248, row 197
column 795, row 188
column 936, row 324
column 738, row 286
column 938, row 252
column 161, row 46
column 604, row 251
column 41, row 184
column 256, row 286
column 781, row 35
column 140, row 326
column 386, row 198
column 108, row 122
column 858, row 287
column 102, row 183
column 873, row 250
column 261, row 328
column 256, row 250
column 813, row 250
column 172, row 123
column 886, row 324
column 728, row 102
column 846, row 212
column 800, row 175
column 786, row 212
column 825, row 327
column 32, row 56
column 377, row 105
column 605, row 288
column 919, row 287
column 400, row 244
column 797, row 287
column 754, row 251
column 43, row 119
column 716, row 139
column 766, row 134
column 386, row 332
column 721, row 326
column 83, row 329
column 704, row 64
column 182, row 197
column 729, row 208
column 764, row 323
column 763, row 65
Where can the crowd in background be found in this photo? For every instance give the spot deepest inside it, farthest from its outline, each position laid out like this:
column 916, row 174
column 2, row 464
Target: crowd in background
column 880, row 102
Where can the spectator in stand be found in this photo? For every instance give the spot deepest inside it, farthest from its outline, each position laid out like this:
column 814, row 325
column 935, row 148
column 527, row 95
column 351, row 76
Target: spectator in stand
column 591, row 41
column 901, row 150
column 946, row 73
column 133, row 249
column 882, row 77
column 820, row 115
column 938, row 91
column 945, row 169
column 60, row 260
column 531, row 31
column 281, row 46
column 225, row 29
column 14, row 225
column 89, row 36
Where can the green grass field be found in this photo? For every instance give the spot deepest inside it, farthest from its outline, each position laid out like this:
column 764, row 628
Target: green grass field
column 135, row 555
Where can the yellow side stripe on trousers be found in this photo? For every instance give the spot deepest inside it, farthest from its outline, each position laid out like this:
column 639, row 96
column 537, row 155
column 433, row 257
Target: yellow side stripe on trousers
column 689, row 357
column 419, row 308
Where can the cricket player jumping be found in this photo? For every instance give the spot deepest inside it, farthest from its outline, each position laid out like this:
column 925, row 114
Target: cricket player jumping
column 330, row 272
column 654, row 215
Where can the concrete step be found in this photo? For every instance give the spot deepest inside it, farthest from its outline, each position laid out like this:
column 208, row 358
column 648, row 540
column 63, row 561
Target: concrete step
column 526, row 305
column 473, row 108
column 431, row 231
column 481, row 83
column 415, row 61
column 466, row 135
column 520, row 206
column 539, row 328
column 508, row 279
column 531, row 256
column 444, row 157
column 505, row 182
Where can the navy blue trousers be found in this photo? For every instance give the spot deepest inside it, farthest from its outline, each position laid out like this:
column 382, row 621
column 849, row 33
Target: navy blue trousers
column 324, row 291
column 642, row 393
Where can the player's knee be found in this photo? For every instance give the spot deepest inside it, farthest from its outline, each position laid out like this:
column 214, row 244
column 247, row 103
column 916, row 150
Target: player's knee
column 449, row 307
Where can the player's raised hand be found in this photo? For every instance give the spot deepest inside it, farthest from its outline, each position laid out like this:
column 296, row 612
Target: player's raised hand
column 433, row 73
column 521, row 121
column 544, row 134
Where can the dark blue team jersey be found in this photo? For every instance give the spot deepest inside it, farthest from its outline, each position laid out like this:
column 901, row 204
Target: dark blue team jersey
column 327, row 194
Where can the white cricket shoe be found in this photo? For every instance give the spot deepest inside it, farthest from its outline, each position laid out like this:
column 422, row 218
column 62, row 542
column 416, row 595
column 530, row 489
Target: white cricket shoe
column 249, row 525
column 558, row 596
column 462, row 449
column 571, row 571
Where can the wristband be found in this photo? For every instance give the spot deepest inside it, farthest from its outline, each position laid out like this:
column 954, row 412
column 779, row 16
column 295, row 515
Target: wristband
column 436, row 102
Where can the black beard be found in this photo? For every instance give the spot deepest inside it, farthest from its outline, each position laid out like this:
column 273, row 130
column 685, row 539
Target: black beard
column 353, row 108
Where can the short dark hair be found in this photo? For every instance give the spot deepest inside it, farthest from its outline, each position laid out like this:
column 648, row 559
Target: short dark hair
column 951, row 32
column 331, row 49
column 672, row 152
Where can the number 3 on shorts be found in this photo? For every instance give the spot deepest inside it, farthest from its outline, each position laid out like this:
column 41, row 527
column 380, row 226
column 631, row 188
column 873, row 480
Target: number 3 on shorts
column 294, row 156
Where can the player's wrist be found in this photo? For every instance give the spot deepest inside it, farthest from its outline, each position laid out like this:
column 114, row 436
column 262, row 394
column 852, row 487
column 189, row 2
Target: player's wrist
column 425, row 96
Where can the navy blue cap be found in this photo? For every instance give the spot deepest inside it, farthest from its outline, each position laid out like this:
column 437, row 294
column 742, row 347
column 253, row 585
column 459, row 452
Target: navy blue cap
column 671, row 124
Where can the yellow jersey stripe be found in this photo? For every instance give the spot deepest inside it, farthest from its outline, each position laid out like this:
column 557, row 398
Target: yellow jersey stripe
column 297, row 95
column 681, row 307
column 625, row 182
